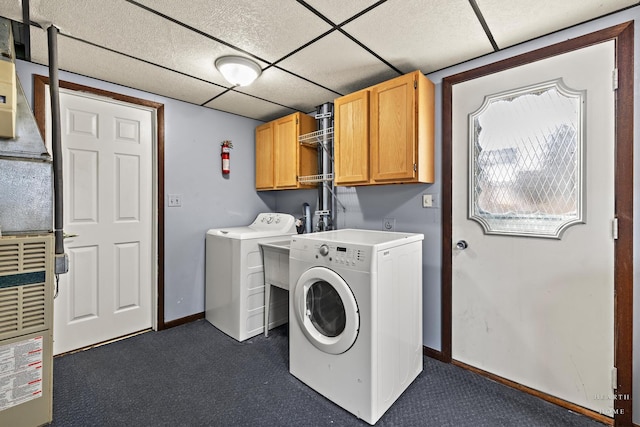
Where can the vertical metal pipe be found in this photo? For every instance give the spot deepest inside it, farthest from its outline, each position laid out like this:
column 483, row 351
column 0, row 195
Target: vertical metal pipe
column 26, row 33
column 56, row 139
column 324, row 120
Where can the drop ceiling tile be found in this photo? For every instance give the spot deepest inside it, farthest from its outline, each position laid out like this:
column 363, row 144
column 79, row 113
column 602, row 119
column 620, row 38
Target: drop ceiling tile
column 339, row 64
column 265, row 28
column 87, row 60
column 121, row 26
column 245, row 105
column 11, row 9
column 424, row 35
column 517, row 21
column 339, row 11
column 283, row 88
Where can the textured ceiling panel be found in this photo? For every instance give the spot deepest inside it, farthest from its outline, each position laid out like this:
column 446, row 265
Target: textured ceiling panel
column 339, row 64
column 283, row 88
column 123, row 27
column 11, row 9
column 338, row 11
column 266, row 28
column 244, row 105
column 169, row 47
column 92, row 61
column 422, row 35
column 517, row 21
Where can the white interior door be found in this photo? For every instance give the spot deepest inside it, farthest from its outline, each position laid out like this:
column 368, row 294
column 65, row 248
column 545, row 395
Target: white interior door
column 108, row 196
column 535, row 310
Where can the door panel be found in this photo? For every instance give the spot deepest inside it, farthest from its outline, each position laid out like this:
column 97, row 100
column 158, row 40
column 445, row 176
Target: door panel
column 107, row 155
column 393, row 139
column 533, row 310
column 286, row 145
column 351, row 145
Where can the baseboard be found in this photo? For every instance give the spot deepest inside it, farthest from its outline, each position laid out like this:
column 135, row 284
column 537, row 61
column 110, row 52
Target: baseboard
column 434, row 354
column 181, row 321
column 556, row 401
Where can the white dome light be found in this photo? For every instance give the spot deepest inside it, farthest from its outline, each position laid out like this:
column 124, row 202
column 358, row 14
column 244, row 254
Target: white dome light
column 238, row 70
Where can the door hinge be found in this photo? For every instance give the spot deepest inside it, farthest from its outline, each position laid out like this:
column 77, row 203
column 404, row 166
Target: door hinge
column 614, row 228
column 296, row 120
column 614, row 76
column 415, row 167
column 614, row 378
column 415, row 84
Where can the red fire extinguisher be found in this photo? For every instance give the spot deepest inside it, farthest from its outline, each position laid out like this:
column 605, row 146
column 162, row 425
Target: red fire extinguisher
column 226, row 150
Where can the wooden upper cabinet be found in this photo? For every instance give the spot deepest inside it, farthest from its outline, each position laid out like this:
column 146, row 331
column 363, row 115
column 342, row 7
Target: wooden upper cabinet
column 351, row 139
column 400, row 135
column 264, row 157
column 393, row 130
column 285, row 131
column 287, row 159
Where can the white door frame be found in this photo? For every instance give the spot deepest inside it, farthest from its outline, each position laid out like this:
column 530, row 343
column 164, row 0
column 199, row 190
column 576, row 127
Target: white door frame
column 157, row 275
column 623, row 35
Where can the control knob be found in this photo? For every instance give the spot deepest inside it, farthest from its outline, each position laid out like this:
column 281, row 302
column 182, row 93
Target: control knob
column 324, row 250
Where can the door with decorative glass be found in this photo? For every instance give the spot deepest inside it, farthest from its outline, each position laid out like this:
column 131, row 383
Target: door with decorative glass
column 532, row 216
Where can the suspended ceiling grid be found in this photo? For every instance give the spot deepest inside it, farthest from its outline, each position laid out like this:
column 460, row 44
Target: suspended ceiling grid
column 310, row 51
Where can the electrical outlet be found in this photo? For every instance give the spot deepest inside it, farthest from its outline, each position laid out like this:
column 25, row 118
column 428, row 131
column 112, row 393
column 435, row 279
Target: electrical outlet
column 175, row 200
column 389, row 224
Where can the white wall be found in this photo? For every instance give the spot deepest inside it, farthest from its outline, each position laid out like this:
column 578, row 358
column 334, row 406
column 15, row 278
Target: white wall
column 192, row 169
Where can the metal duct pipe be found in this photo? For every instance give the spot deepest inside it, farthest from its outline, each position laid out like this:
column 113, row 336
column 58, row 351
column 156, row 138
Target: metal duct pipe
column 56, row 140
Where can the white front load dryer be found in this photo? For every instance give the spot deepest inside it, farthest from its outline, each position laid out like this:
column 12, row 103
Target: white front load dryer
column 355, row 316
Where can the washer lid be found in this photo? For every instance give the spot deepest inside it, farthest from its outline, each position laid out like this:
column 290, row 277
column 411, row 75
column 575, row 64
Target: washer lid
column 326, row 310
column 265, row 225
column 243, row 233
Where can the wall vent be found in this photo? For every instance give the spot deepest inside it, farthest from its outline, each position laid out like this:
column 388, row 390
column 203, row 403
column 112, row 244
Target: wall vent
column 25, row 284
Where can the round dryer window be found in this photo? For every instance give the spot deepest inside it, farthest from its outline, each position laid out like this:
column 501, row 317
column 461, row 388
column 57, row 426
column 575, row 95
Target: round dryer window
column 326, row 310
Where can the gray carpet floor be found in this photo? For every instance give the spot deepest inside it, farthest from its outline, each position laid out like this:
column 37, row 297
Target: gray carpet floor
column 194, row 375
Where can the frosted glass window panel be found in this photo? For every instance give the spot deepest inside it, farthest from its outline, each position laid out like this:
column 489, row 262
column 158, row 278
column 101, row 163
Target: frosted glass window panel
column 526, row 151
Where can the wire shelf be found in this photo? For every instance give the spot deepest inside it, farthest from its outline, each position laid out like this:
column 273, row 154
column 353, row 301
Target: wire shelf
column 315, row 138
column 315, row 178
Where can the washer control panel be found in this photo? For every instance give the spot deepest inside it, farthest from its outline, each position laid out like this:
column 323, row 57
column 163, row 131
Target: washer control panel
column 273, row 221
column 341, row 255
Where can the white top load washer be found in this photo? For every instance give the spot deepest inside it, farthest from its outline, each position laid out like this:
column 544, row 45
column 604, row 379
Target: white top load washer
column 234, row 282
column 355, row 316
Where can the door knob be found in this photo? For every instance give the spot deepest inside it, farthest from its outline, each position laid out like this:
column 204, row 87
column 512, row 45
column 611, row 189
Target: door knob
column 462, row 245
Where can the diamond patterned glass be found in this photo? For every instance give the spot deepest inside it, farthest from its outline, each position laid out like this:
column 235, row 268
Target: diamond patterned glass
column 526, row 150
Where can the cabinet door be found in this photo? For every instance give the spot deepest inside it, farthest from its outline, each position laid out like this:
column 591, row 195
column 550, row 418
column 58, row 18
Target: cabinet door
column 285, row 138
column 264, row 157
column 393, row 130
column 351, row 139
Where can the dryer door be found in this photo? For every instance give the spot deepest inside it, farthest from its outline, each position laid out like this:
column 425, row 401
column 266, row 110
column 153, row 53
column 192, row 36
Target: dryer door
column 326, row 310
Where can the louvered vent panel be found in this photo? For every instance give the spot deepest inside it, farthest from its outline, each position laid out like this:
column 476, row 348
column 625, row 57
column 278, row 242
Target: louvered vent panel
column 9, row 258
column 34, row 256
column 26, row 281
column 33, row 306
column 9, row 310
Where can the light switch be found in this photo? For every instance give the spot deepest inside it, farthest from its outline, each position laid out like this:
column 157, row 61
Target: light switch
column 427, row 200
column 175, row 200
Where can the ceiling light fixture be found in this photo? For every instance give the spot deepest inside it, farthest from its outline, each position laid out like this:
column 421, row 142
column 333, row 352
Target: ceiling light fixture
column 238, row 70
